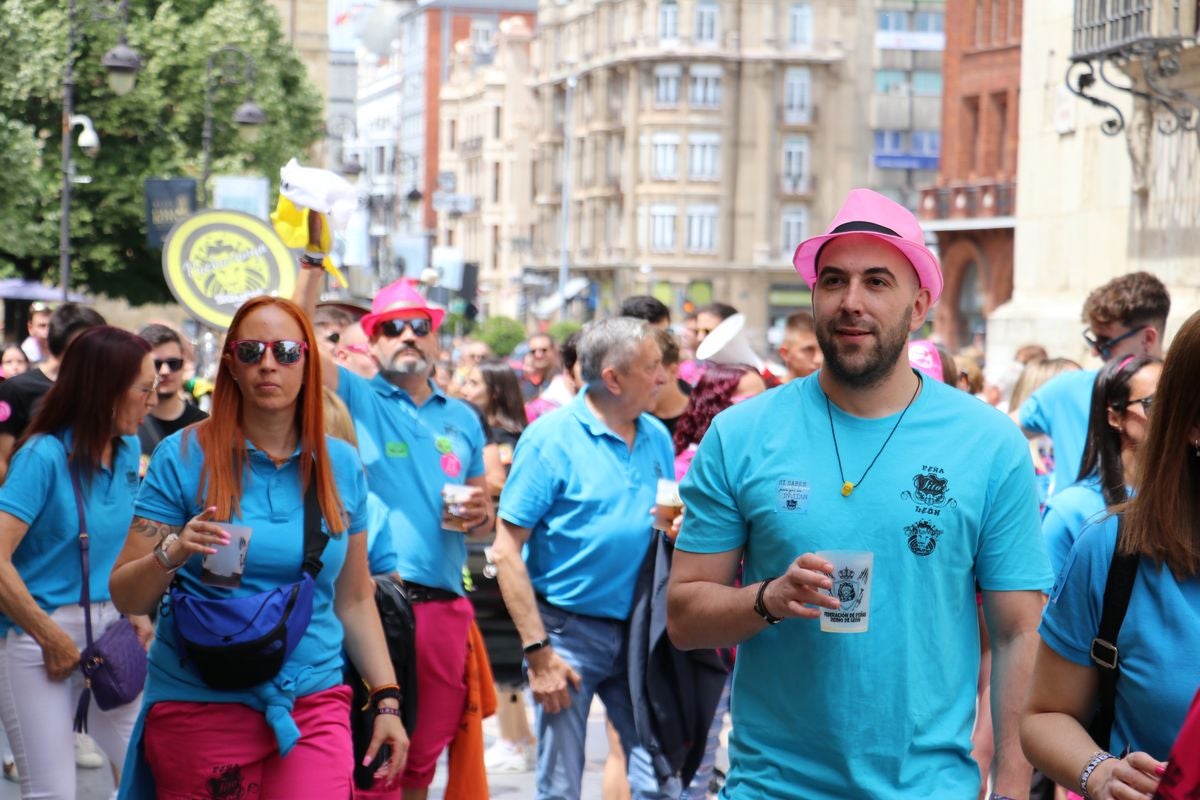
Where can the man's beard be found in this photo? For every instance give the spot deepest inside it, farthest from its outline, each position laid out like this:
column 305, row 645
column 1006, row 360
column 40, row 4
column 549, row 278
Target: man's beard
column 399, row 370
column 875, row 364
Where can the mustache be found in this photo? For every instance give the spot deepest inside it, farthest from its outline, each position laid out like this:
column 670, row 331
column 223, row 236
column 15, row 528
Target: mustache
column 848, row 321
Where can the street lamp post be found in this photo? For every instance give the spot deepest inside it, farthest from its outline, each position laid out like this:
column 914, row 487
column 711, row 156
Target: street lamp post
column 228, row 66
column 564, row 265
column 122, row 64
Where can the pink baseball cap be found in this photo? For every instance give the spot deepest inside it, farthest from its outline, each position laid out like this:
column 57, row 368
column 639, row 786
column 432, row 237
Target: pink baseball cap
column 870, row 213
column 399, row 299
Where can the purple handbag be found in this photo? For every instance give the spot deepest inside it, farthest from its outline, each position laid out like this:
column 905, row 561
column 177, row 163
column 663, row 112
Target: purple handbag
column 113, row 666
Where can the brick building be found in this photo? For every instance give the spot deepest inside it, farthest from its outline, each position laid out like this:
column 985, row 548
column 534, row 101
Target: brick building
column 971, row 208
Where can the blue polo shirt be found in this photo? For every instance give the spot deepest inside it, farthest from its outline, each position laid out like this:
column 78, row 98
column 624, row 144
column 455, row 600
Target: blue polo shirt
column 272, row 505
column 410, row 453
column 586, row 498
column 1067, row 514
column 1060, row 410
column 38, row 492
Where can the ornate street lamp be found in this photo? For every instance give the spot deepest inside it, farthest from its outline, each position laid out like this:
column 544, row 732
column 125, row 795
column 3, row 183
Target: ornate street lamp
column 228, row 66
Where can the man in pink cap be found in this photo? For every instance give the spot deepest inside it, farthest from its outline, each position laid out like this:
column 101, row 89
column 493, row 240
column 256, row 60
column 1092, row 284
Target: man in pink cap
column 415, row 442
column 874, row 498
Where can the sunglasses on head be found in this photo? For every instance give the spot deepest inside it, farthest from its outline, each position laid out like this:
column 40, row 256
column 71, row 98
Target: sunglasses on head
column 1104, row 346
column 172, row 364
column 251, row 351
column 391, row 328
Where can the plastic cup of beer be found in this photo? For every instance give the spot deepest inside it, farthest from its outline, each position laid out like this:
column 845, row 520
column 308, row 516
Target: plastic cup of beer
column 852, row 574
column 455, row 497
column 667, row 505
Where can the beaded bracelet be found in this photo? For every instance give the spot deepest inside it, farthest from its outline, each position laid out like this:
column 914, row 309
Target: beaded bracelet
column 1096, row 761
column 395, row 712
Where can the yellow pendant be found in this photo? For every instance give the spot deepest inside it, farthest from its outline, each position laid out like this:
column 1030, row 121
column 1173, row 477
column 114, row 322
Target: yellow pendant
column 847, row 488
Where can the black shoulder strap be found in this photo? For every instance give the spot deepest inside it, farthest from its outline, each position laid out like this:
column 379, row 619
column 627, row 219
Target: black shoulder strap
column 314, row 539
column 1122, row 572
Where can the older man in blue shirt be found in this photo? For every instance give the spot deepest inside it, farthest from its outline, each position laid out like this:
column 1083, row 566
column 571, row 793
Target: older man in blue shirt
column 578, row 499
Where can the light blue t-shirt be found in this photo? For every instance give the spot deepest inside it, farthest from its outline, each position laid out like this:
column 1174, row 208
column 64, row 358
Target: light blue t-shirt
column 38, row 492
column 950, row 500
column 1060, row 410
column 410, row 453
column 586, row 498
column 1066, row 515
column 381, row 550
column 1159, row 640
column 272, row 505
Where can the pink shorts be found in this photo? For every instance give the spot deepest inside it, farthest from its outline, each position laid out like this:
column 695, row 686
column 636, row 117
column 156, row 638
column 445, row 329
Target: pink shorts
column 228, row 750
column 441, row 641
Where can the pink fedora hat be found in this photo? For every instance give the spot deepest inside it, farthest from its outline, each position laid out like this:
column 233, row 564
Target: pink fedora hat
column 870, row 213
column 399, row 299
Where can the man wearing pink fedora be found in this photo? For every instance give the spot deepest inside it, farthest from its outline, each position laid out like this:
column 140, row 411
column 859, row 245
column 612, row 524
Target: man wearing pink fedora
column 415, row 443
column 863, row 503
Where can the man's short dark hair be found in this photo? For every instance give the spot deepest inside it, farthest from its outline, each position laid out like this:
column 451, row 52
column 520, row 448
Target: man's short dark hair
column 155, row 334
column 66, row 321
column 570, row 351
column 1138, row 298
column 721, row 310
column 800, row 322
column 643, row 306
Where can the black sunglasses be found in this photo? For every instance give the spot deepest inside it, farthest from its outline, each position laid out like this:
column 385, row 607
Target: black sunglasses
column 1144, row 402
column 1104, row 346
column 391, row 328
column 172, row 364
column 251, row 351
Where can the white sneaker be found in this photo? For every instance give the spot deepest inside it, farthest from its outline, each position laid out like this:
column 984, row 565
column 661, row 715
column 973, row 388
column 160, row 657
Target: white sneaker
column 87, row 754
column 509, row 757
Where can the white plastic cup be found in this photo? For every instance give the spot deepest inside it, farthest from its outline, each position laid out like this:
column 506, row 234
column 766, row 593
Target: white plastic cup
column 667, row 504
column 852, row 574
column 455, row 496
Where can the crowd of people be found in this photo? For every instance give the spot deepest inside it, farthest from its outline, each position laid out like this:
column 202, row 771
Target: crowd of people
column 884, row 569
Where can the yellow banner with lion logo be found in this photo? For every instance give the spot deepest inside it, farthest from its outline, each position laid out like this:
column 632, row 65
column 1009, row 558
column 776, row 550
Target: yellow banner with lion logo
column 215, row 260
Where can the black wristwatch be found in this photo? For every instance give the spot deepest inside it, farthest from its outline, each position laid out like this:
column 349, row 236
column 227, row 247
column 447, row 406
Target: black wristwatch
column 535, row 646
column 760, row 607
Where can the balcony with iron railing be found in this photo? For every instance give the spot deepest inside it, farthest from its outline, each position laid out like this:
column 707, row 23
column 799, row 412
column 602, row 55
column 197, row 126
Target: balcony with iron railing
column 982, row 200
column 1104, row 28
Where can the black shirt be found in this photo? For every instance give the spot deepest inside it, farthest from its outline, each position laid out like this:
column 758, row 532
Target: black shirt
column 153, row 430
column 19, row 398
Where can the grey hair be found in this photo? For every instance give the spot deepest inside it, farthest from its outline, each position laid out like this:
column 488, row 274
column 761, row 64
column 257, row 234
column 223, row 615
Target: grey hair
column 610, row 342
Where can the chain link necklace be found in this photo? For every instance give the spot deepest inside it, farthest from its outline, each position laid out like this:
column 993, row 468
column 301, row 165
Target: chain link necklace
column 847, row 486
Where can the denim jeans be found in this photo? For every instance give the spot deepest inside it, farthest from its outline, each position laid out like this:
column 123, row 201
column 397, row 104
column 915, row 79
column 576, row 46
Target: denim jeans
column 596, row 649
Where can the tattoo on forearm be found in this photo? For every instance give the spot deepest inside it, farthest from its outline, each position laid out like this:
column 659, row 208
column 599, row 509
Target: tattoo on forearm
column 151, row 529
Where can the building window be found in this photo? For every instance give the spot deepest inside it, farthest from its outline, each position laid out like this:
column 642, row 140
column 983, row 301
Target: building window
column 797, row 91
column 927, row 83
column 795, row 163
column 483, row 35
column 497, row 122
column 496, row 182
column 926, row 143
column 664, row 148
column 701, row 229
column 793, row 228
column 666, row 86
column 893, row 20
column 707, row 19
column 662, row 228
column 800, row 25
column 891, row 81
column 930, row 22
column 705, row 87
column 703, row 156
column 889, row 142
column 668, row 20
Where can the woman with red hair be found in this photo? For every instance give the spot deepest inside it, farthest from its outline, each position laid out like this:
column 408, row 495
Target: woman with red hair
column 251, row 464
column 720, row 387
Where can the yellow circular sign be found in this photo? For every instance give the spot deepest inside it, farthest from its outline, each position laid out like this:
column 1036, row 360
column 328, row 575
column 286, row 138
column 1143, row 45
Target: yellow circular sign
column 216, row 260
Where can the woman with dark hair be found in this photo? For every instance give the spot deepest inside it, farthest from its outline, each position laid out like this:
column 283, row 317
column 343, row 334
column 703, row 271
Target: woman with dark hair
column 492, row 387
column 1158, row 644
column 261, row 458
column 720, row 387
column 1121, row 401
column 87, row 425
column 13, row 361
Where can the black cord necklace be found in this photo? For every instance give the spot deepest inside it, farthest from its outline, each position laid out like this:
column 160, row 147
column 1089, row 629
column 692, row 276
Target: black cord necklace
column 847, row 486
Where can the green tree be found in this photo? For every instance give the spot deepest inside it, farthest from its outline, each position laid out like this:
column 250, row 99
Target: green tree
column 502, row 334
column 155, row 131
column 559, row 331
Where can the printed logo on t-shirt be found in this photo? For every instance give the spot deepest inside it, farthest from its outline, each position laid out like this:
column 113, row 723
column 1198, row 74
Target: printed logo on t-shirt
column 929, row 491
column 791, row 496
column 922, row 537
column 131, row 479
column 397, row 449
